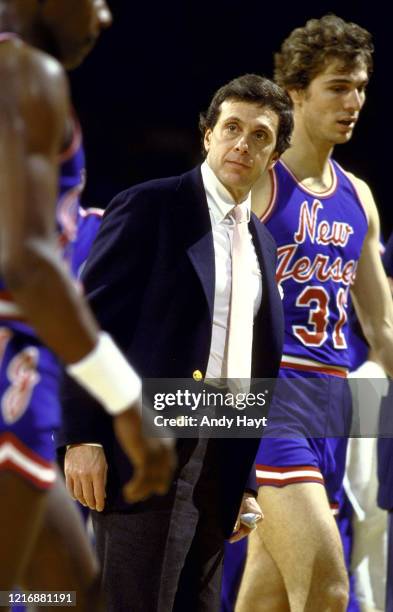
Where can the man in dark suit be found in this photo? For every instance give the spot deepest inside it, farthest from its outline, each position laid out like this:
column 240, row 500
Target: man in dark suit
column 159, row 279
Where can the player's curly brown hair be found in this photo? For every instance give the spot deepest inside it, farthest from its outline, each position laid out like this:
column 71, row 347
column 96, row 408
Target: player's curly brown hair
column 304, row 53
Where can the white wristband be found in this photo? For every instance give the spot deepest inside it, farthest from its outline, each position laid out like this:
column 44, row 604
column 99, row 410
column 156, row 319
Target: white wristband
column 107, row 375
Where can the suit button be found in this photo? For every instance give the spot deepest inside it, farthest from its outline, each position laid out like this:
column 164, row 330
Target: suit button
column 197, row 375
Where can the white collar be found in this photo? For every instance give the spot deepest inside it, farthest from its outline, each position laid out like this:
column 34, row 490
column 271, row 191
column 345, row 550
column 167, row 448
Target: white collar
column 219, row 200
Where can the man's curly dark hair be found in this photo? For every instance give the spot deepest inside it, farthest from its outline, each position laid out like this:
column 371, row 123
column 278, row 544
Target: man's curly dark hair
column 305, row 52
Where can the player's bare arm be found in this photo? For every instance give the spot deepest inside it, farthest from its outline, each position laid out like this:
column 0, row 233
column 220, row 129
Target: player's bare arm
column 371, row 292
column 37, row 110
column 33, row 126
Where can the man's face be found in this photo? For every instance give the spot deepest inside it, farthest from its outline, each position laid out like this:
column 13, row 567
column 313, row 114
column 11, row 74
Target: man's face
column 241, row 146
column 76, row 25
column 329, row 108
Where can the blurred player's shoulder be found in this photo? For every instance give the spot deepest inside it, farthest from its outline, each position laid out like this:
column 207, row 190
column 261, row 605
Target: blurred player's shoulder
column 23, row 63
column 36, row 90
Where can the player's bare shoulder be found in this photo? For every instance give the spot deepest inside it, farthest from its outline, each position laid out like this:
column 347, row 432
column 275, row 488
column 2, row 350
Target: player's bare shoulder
column 364, row 192
column 36, row 95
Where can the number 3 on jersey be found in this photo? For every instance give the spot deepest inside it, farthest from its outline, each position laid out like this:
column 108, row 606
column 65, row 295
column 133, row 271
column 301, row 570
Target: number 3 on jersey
column 317, row 300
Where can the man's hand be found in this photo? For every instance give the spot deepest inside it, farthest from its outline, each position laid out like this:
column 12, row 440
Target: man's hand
column 249, row 505
column 85, row 471
column 153, row 459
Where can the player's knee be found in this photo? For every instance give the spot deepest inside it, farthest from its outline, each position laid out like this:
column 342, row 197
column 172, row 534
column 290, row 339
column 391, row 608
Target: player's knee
column 330, row 585
column 337, row 596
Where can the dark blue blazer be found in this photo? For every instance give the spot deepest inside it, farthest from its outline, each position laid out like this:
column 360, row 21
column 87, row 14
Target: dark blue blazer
column 150, row 281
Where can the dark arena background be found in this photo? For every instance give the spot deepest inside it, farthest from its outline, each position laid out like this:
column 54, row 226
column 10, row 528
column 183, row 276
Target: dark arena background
column 139, row 93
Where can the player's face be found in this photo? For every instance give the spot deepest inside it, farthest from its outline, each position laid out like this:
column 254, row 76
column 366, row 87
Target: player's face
column 76, row 25
column 329, row 108
column 241, row 146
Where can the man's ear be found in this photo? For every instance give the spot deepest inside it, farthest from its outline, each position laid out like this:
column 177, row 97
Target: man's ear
column 206, row 139
column 273, row 160
column 296, row 95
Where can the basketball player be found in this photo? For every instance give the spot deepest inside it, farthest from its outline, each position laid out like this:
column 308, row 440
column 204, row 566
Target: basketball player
column 37, row 133
column 385, row 454
column 326, row 226
column 362, row 525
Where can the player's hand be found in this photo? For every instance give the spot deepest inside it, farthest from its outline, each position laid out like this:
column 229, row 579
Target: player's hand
column 85, row 469
column 250, row 514
column 153, row 459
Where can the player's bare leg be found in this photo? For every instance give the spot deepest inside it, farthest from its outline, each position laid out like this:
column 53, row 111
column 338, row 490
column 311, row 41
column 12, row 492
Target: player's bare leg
column 257, row 593
column 62, row 559
column 300, row 534
column 21, row 515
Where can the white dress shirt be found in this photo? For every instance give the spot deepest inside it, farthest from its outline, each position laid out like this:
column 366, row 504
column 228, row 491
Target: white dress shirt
column 221, row 203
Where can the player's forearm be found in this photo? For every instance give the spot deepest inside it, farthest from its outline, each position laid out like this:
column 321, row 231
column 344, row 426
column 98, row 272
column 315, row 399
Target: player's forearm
column 50, row 302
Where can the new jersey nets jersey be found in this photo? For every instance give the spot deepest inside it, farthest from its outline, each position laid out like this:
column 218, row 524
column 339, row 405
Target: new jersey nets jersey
column 319, row 238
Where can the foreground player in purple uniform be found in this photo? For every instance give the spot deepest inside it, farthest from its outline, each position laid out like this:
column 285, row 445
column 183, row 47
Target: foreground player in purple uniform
column 326, row 226
column 35, row 127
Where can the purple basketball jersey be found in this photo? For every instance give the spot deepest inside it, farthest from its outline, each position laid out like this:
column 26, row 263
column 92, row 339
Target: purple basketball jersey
column 319, row 238
column 89, row 221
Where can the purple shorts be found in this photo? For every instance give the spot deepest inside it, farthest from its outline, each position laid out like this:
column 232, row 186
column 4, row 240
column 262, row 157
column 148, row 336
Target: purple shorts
column 29, row 407
column 319, row 403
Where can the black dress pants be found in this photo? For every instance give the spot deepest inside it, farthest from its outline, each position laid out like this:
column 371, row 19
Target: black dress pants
column 166, row 554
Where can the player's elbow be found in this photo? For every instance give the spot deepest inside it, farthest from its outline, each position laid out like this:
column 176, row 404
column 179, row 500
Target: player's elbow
column 381, row 345
column 382, row 337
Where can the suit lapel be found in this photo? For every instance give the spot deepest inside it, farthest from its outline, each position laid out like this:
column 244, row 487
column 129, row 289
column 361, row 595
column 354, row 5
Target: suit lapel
column 264, row 250
column 194, row 226
column 269, row 323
